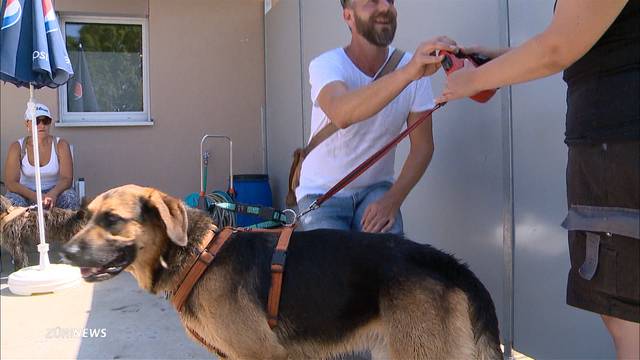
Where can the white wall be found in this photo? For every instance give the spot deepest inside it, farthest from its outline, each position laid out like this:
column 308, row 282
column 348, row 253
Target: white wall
column 206, row 78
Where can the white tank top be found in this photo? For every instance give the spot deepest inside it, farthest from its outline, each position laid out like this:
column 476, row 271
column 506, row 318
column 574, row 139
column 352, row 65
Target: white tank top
column 48, row 173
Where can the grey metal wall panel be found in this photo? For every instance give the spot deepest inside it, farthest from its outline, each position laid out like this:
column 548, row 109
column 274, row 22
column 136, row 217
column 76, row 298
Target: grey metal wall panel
column 322, row 29
column 457, row 206
column 284, row 98
column 545, row 327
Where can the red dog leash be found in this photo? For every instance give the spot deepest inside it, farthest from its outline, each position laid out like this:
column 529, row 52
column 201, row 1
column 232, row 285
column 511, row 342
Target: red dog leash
column 369, row 162
column 452, row 62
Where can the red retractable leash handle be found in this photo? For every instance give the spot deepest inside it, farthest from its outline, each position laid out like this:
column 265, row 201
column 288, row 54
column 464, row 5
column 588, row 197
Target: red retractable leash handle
column 454, row 61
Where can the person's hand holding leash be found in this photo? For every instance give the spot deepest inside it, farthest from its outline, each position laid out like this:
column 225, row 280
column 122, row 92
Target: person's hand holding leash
column 459, row 84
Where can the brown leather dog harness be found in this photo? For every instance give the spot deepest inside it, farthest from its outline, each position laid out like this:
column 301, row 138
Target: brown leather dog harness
column 208, row 249
column 277, row 271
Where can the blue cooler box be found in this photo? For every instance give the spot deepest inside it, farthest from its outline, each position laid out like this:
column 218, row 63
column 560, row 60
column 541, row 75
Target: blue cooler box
column 252, row 189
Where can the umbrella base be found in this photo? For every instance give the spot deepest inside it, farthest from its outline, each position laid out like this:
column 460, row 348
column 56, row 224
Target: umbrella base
column 32, row 280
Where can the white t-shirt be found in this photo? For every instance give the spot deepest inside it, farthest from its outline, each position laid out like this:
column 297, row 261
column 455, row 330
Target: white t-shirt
column 347, row 148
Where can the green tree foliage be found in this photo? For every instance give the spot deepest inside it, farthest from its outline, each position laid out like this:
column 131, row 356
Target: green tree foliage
column 114, row 57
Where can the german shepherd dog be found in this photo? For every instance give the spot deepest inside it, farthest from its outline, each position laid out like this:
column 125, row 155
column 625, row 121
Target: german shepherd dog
column 343, row 291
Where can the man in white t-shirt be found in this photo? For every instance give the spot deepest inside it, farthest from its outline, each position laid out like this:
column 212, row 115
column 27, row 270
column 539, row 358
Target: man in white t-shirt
column 369, row 114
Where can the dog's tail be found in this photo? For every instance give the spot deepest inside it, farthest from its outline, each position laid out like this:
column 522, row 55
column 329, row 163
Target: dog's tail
column 482, row 312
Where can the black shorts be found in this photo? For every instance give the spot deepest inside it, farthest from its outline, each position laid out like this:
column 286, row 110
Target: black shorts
column 605, row 175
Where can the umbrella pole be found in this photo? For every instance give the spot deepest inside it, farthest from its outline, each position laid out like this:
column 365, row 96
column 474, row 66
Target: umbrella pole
column 43, row 247
column 46, row 277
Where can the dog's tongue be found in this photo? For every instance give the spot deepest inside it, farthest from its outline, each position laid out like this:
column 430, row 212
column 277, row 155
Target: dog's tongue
column 88, row 271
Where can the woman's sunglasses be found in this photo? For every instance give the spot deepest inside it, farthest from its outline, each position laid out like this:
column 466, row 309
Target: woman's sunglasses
column 43, row 120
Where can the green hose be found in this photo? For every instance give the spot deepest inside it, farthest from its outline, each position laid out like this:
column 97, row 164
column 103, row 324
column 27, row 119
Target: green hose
column 221, row 217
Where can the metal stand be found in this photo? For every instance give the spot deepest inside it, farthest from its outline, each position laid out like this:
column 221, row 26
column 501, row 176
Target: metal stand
column 231, row 190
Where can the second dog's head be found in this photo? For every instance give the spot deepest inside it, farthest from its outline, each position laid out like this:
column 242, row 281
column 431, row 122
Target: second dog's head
column 129, row 227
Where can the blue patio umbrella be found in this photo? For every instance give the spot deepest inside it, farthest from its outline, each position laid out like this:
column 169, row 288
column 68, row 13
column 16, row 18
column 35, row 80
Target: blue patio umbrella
column 32, row 49
column 33, row 54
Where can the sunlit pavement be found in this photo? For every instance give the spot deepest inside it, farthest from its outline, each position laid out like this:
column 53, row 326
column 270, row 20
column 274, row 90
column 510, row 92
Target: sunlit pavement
column 109, row 320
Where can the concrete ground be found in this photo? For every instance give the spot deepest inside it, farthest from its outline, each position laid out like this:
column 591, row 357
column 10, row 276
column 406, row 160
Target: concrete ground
column 109, row 320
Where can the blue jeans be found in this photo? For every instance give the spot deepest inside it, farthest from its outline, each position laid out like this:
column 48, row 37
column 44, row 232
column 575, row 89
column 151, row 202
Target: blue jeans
column 345, row 212
column 69, row 199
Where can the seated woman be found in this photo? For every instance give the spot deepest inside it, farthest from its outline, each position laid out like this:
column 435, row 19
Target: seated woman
column 56, row 167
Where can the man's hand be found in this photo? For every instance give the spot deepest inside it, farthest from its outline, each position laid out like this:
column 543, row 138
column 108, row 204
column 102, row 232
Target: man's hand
column 424, row 61
column 380, row 215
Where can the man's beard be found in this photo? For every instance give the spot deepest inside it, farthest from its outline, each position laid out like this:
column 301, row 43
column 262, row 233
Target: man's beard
column 382, row 37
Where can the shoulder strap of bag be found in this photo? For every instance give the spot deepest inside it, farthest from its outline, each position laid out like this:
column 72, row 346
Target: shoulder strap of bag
column 23, row 149
column 391, row 64
column 56, row 142
column 330, row 128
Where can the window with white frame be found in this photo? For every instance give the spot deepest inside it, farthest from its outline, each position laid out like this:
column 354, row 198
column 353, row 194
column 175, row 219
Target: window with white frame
column 110, row 84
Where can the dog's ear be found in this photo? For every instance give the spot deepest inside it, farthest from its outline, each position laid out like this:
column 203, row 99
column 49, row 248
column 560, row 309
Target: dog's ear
column 173, row 214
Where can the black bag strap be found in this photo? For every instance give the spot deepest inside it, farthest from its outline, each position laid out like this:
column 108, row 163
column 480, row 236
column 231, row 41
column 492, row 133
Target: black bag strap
column 23, row 148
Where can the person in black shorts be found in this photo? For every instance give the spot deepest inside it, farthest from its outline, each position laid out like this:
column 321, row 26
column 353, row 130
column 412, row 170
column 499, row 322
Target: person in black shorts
column 597, row 44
